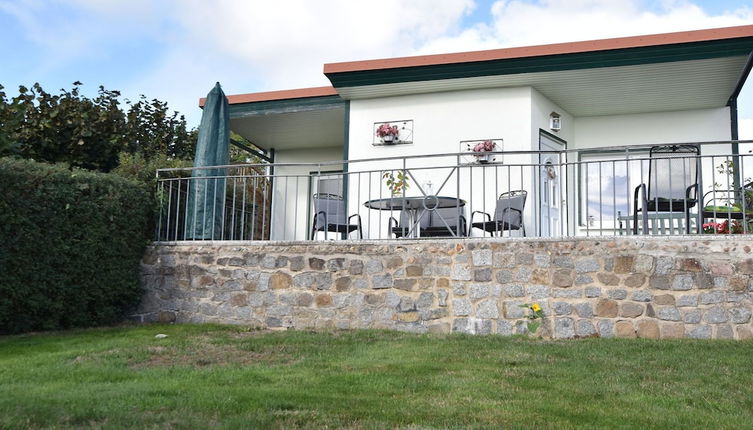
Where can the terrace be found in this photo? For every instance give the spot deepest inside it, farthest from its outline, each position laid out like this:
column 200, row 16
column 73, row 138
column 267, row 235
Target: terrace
column 688, row 188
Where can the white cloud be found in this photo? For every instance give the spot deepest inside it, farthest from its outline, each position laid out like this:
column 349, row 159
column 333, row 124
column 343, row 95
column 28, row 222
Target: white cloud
column 745, row 128
column 256, row 45
column 520, row 23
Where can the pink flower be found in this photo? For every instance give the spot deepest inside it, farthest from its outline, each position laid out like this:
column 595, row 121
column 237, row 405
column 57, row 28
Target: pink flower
column 485, row 146
column 387, row 130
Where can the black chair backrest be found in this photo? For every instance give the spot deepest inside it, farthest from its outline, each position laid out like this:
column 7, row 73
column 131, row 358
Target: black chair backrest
column 510, row 206
column 443, row 217
column 423, row 223
column 672, row 169
column 332, row 205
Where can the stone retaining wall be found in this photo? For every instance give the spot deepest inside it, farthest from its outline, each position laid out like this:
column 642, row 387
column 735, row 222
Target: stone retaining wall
column 626, row 287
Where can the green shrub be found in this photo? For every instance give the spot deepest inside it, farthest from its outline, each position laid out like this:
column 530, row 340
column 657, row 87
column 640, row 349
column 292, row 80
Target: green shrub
column 142, row 169
column 70, row 246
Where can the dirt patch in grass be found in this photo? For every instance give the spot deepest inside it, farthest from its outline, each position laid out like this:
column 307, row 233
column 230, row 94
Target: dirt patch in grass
column 205, row 351
column 234, row 349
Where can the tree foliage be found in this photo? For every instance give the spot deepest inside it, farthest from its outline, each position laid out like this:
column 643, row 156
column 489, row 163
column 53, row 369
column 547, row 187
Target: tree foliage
column 89, row 132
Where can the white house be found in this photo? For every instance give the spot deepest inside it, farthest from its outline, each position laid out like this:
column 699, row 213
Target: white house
column 591, row 99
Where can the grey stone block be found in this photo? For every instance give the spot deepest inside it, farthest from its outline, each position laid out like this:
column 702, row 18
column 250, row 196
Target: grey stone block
column 562, row 308
column 523, row 274
column 478, row 291
column 664, row 265
column 514, row 291
column 374, row 266
column 482, row 275
column 712, row 297
column 460, row 325
column 567, row 293
column 442, row 297
column 406, row 304
column 700, row 332
column 715, row 315
column 642, row 296
column 461, row 307
column 381, row 281
column 514, row 310
column 737, row 297
column 356, row 267
column 392, row 299
column 482, row 257
column 542, row 260
column 269, row 262
column 643, row 264
column 618, row 294
column 335, row 264
column 740, row 315
column 537, row 292
column 425, row 300
column 668, row 314
column 460, row 273
column 523, row 258
column 584, row 310
column 691, row 316
column 458, row 288
column 564, row 328
column 606, row 328
column 487, row 309
column 686, row 301
column 593, row 292
column 504, row 327
column 563, row 261
column 583, row 279
column 504, row 276
column 587, row 265
column 682, row 282
column 584, row 328
column 724, row 332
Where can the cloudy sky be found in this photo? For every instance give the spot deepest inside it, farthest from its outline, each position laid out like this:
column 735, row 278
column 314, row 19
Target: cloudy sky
column 175, row 50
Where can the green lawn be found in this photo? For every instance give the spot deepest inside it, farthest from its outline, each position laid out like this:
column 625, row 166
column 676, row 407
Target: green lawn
column 226, row 377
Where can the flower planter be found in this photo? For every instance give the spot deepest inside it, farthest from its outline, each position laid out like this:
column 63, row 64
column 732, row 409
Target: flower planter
column 389, row 139
column 483, row 158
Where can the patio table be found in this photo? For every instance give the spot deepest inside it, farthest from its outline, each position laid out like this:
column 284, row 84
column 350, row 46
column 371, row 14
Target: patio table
column 412, row 205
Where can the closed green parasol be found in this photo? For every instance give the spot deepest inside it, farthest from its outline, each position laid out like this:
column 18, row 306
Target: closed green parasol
column 206, row 200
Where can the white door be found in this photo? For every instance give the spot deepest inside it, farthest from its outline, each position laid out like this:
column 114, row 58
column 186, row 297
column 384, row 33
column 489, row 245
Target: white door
column 550, row 187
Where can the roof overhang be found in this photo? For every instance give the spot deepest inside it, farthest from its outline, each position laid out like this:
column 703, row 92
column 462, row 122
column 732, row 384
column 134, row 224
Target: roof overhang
column 674, row 71
column 289, row 119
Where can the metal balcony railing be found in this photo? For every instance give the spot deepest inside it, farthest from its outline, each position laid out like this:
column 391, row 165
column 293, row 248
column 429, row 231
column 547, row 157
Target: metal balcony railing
column 670, row 189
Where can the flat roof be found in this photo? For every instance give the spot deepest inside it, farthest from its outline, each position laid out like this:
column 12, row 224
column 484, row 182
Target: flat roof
column 298, row 93
column 666, row 47
column 544, row 50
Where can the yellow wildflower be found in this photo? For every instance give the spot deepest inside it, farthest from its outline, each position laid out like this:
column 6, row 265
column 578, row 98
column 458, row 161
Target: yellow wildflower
column 535, row 307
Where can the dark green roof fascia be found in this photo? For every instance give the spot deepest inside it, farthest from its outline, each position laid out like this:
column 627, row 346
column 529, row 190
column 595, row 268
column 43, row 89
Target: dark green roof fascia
column 548, row 63
column 270, row 107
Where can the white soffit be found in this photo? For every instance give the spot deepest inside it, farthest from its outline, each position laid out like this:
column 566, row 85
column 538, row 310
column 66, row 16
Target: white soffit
column 694, row 84
column 308, row 129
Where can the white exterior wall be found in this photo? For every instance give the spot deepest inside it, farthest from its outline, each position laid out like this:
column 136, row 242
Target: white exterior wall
column 291, row 212
column 440, row 122
column 650, row 129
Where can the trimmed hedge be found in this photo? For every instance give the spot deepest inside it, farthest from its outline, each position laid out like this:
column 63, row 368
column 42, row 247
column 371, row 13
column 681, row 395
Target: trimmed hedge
column 70, row 246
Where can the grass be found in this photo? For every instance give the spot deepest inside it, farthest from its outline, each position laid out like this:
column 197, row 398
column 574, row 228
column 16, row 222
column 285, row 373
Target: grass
column 205, row 376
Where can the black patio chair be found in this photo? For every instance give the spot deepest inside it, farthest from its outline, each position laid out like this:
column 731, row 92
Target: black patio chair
column 508, row 214
column 330, row 215
column 672, row 184
column 728, row 204
column 441, row 222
